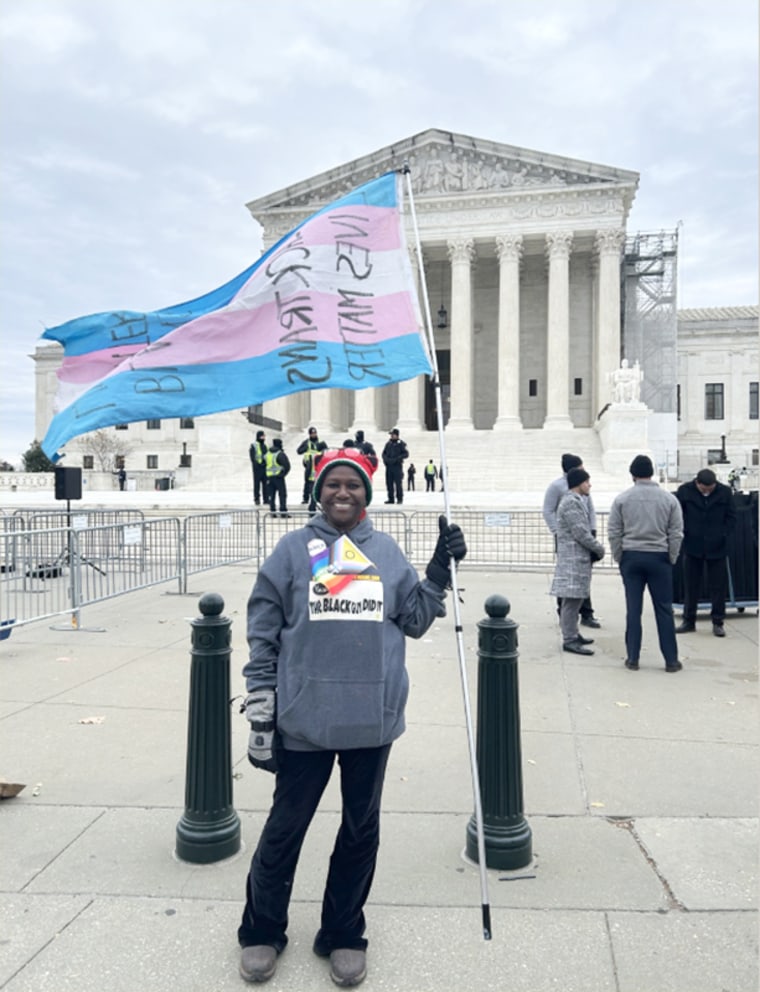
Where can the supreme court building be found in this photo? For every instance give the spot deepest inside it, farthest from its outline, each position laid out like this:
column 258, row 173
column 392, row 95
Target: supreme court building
column 537, row 295
column 522, row 259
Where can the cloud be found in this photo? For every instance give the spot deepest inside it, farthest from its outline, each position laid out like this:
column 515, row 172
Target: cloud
column 670, row 171
column 52, row 32
column 59, row 158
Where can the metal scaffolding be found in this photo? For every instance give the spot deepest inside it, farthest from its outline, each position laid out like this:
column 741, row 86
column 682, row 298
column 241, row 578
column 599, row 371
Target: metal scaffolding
column 649, row 315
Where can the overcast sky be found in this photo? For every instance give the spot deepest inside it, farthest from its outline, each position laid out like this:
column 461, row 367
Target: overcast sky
column 133, row 132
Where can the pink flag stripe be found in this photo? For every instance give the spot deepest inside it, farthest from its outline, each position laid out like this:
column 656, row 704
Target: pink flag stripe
column 225, row 336
column 95, row 364
column 377, row 227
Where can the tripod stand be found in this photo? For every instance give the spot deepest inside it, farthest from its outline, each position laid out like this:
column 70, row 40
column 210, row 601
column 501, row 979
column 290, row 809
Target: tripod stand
column 72, row 558
column 69, row 557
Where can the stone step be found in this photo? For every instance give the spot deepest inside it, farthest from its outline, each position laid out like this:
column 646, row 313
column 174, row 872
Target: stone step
column 497, row 461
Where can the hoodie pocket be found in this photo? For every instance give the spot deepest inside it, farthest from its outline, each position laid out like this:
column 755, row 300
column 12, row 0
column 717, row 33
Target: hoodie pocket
column 335, row 714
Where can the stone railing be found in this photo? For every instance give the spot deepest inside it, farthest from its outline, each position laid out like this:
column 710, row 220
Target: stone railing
column 26, row 481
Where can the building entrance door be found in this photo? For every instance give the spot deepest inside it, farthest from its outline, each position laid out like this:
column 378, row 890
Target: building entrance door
column 444, row 373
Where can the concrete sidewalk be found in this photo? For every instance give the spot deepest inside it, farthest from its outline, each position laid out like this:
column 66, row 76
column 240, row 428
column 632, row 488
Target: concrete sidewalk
column 640, row 789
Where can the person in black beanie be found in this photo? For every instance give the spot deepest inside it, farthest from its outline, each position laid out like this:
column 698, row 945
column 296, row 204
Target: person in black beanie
column 365, row 447
column 394, row 454
column 708, row 519
column 554, row 493
column 278, row 466
column 258, row 453
column 577, row 550
column 645, row 530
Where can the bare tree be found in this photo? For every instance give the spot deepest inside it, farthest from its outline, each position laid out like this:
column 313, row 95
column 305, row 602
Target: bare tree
column 105, row 446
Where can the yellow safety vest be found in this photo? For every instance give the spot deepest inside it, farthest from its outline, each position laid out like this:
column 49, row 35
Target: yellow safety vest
column 273, row 466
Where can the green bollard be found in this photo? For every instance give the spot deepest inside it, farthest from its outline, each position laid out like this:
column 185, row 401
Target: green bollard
column 209, row 829
column 508, row 839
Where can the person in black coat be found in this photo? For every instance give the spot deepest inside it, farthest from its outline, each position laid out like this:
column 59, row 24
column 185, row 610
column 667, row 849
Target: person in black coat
column 708, row 519
column 310, row 450
column 365, row 447
column 258, row 453
column 278, row 466
column 394, row 453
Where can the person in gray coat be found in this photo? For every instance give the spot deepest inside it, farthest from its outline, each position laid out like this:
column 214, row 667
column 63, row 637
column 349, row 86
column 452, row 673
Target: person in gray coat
column 552, row 498
column 577, row 550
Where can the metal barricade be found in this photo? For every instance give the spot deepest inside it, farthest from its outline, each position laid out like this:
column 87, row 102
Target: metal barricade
column 39, row 583
column 8, row 525
column 495, row 539
column 508, row 540
column 61, row 570
column 273, row 527
column 213, row 539
column 80, row 517
column 120, row 558
column 45, row 572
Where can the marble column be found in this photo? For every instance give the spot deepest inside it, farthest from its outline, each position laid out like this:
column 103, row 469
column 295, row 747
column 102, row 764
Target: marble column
column 320, row 411
column 279, row 410
column 693, row 403
column 558, row 246
column 410, row 390
column 607, row 351
column 47, row 360
column 461, row 255
column 509, row 251
column 365, row 418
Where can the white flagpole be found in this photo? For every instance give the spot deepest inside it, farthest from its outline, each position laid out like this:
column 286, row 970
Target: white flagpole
column 486, row 908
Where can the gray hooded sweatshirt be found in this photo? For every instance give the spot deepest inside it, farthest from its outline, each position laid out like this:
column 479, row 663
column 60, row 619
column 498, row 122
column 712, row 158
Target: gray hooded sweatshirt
column 327, row 621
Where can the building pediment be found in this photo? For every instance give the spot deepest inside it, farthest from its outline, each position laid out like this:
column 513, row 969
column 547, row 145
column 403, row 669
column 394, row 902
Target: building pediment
column 450, row 166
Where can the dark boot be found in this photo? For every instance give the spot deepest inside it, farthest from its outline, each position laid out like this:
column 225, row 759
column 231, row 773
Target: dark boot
column 258, row 963
column 348, row 967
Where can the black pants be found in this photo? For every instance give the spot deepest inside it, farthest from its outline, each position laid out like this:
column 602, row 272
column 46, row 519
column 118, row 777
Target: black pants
column 277, row 488
column 429, row 483
column 394, row 483
column 259, row 484
column 717, row 586
column 308, row 485
column 649, row 570
column 301, row 780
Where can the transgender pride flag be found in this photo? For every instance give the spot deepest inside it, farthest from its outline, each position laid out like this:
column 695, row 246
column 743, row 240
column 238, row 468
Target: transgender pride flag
column 333, row 304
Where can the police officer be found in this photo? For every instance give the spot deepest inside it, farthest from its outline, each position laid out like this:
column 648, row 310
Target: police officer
column 277, row 467
column 309, row 449
column 257, row 453
column 394, row 453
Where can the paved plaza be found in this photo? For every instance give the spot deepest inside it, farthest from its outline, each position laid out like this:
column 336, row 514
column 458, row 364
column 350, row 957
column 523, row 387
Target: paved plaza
column 641, row 792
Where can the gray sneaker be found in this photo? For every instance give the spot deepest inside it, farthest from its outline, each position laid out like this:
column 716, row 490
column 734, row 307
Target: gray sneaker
column 348, row 967
column 258, row 963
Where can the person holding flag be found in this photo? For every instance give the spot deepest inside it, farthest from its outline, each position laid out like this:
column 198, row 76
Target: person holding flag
column 326, row 681
column 301, row 317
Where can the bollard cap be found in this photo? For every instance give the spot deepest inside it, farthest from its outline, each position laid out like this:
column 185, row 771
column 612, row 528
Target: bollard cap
column 497, row 606
column 211, row 604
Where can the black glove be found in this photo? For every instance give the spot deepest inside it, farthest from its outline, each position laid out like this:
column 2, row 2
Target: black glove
column 259, row 712
column 596, row 556
column 451, row 544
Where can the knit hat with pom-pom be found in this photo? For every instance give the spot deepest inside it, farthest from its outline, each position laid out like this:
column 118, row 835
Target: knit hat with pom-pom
column 344, row 456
